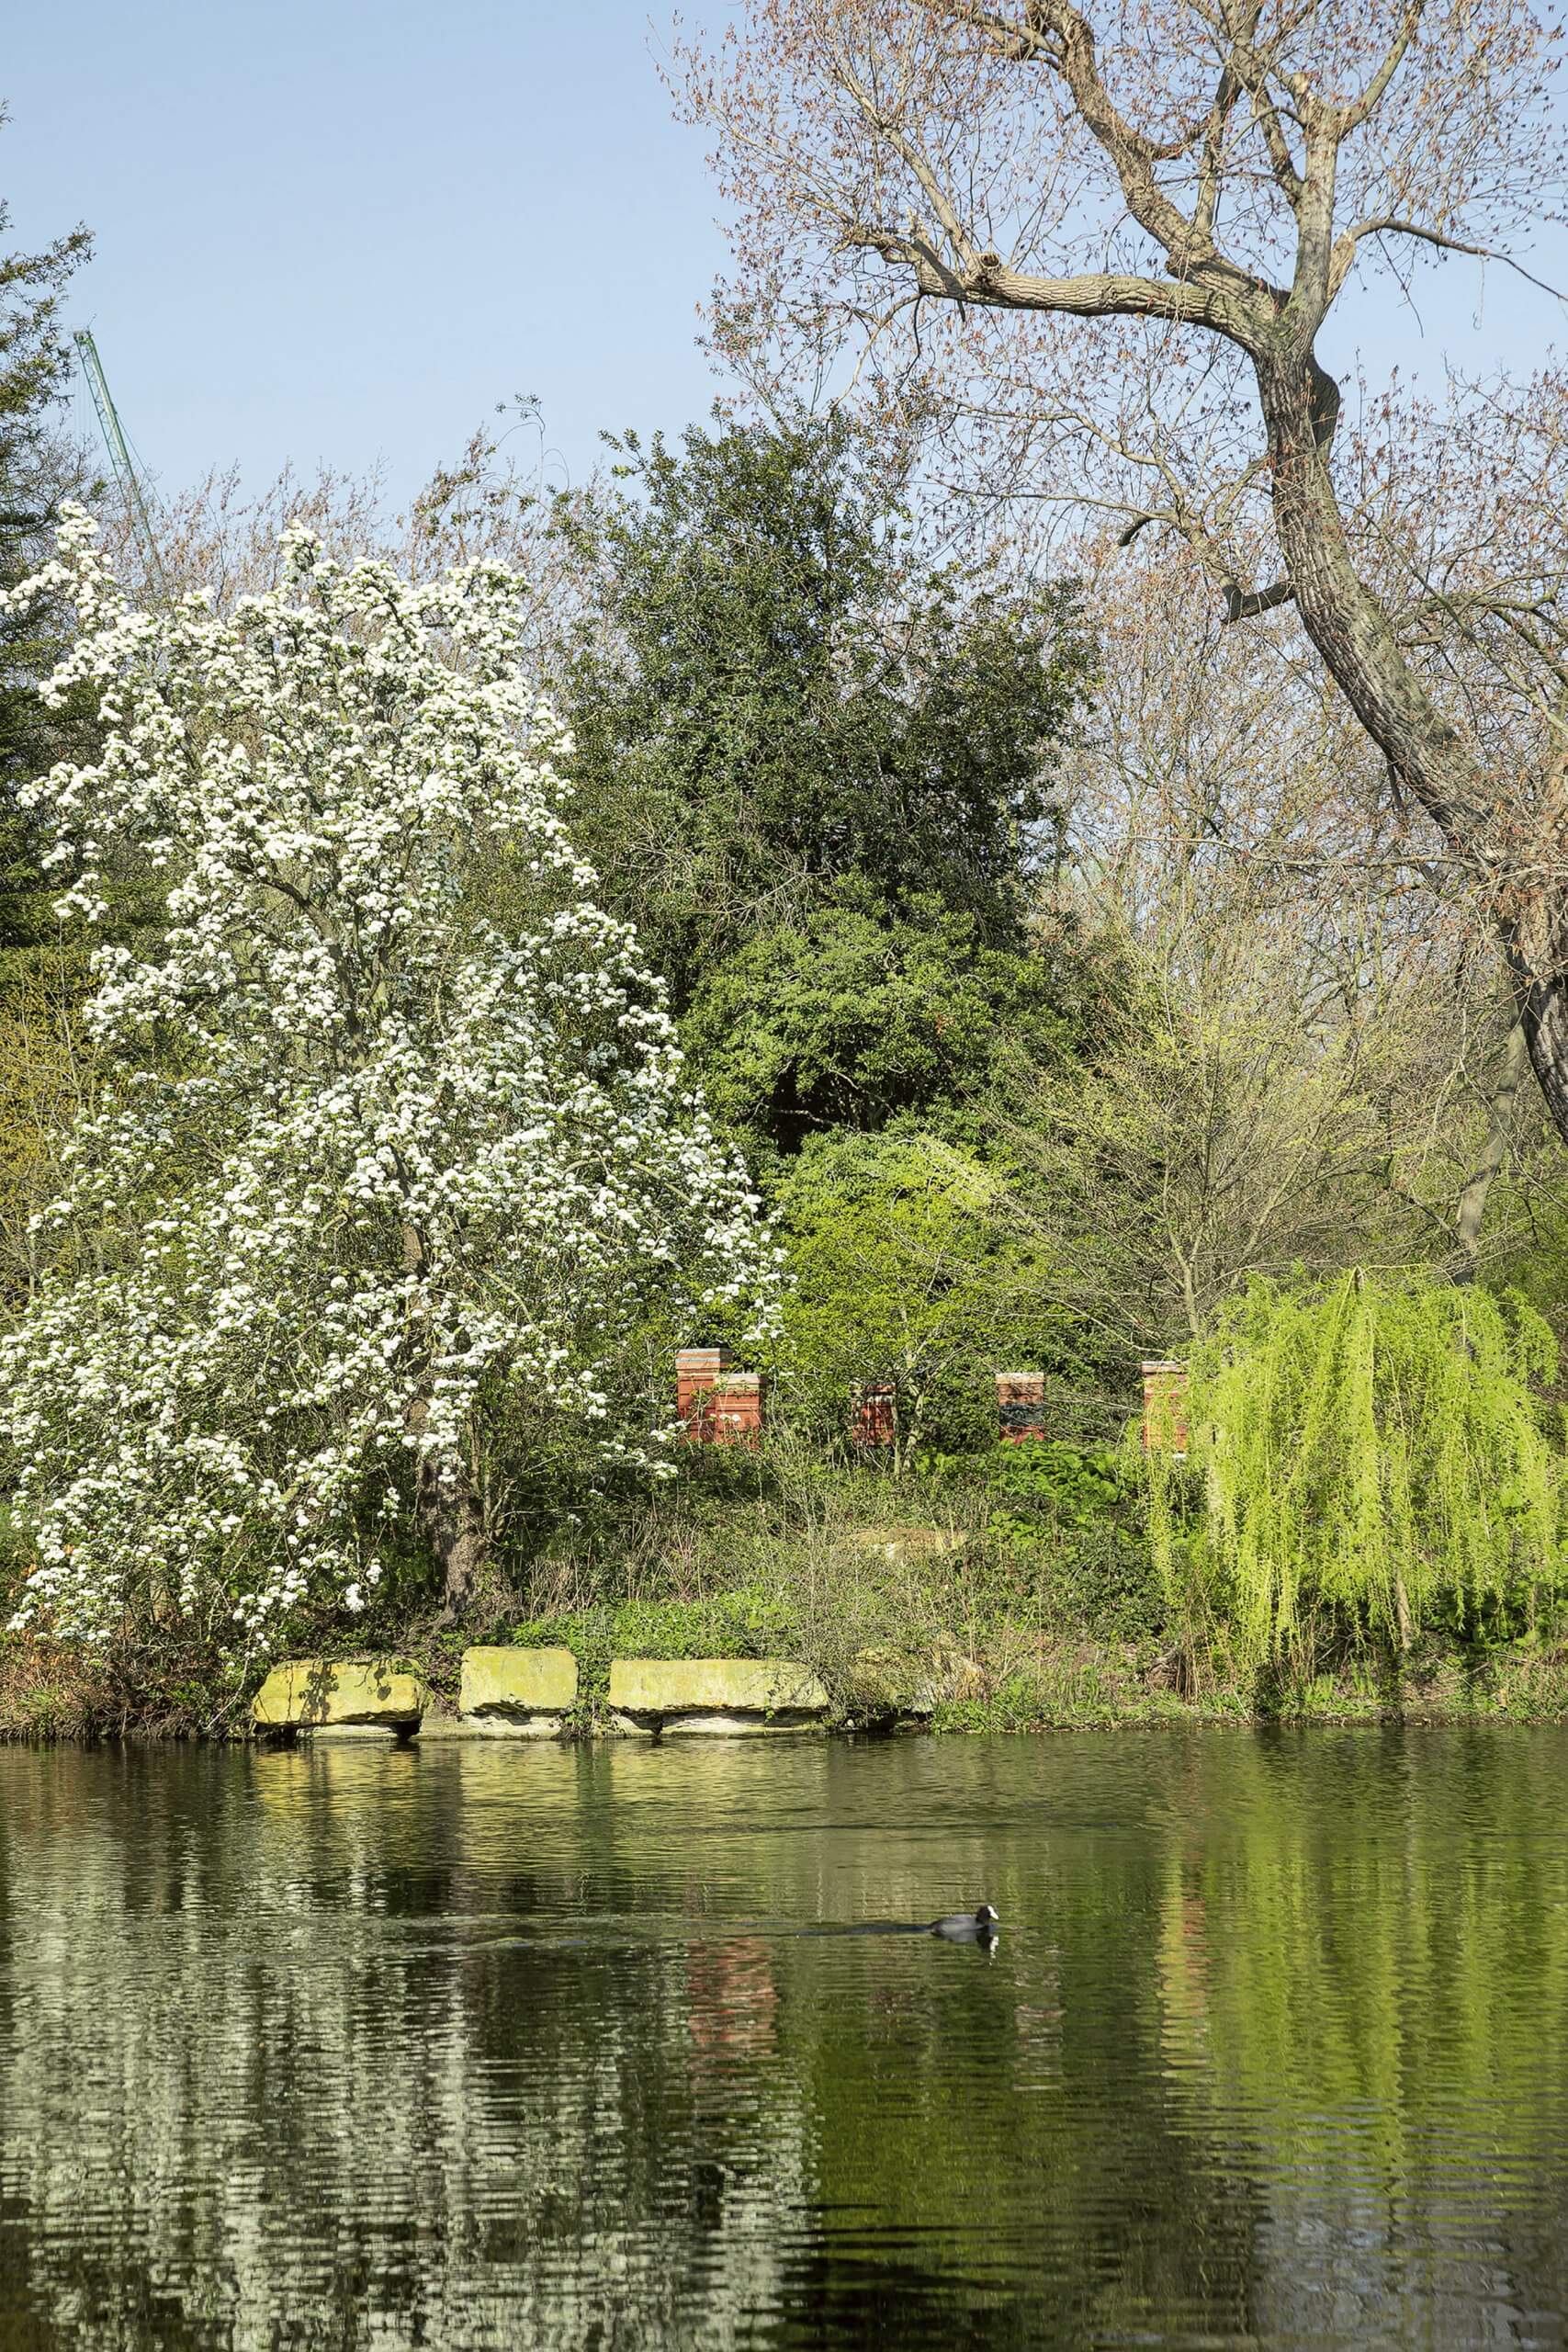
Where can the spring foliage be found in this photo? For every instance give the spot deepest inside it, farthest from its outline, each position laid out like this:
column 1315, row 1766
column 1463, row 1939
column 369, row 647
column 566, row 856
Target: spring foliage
column 1374, row 1451
column 368, row 1174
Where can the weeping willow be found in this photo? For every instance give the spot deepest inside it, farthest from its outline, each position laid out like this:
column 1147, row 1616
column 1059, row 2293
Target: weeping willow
column 1375, row 1452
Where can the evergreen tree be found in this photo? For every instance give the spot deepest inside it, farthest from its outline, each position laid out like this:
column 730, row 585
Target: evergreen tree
column 794, row 738
column 37, row 471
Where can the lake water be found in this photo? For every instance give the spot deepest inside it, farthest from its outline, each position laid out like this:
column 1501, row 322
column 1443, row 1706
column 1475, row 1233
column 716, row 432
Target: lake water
column 486, row 2045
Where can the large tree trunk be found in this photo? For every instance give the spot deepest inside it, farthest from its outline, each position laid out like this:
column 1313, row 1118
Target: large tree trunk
column 450, row 1517
column 452, row 1524
column 448, row 1513
column 1425, row 750
column 1543, row 1013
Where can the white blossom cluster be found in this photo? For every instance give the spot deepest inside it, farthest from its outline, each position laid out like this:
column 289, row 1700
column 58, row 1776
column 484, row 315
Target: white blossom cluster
column 365, row 1168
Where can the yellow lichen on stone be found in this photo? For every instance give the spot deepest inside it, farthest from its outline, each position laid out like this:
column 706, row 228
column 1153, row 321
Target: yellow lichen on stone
column 517, row 1682
column 715, row 1694
column 329, row 1694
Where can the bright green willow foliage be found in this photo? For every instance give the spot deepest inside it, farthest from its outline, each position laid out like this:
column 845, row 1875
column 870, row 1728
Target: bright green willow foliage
column 1373, row 1450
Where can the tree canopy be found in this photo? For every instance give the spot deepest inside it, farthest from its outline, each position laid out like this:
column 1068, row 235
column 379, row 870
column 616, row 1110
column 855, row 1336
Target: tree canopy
column 370, row 1181
column 37, row 471
column 1371, row 1454
column 814, row 768
column 1101, row 246
column 784, row 698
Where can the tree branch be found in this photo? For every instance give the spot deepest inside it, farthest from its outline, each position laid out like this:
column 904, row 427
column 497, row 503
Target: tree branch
column 1132, row 155
column 1350, row 118
column 1252, row 75
column 1022, row 44
column 1387, row 224
column 918, row 166
column 1208, row 168
column 1060, row 38
column 1095, row 294
column 1246, row 603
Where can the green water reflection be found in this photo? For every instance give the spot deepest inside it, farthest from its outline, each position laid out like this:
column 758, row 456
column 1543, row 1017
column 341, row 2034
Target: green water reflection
column 482, row 2046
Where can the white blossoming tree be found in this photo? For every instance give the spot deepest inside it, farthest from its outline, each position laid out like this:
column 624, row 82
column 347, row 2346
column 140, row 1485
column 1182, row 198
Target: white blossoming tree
column 366, row 1174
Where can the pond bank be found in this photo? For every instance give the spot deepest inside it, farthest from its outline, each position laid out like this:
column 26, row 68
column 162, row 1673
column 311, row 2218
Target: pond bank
column 1017, row 1680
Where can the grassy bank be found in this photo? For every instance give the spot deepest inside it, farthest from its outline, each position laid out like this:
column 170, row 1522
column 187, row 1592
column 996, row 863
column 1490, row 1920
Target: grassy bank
column 1010, row 1592
column 1014, row 1681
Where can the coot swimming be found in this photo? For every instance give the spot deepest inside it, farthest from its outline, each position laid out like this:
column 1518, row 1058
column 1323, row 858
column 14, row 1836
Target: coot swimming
column 978, row 1927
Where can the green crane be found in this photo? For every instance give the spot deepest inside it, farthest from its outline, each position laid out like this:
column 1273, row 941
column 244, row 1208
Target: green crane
column 121, row 458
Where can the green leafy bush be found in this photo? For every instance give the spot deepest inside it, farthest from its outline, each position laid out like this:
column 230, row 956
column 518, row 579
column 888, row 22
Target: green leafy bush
column 1065, row 1529
column 857, row 1015
column 1069, row 1486
column 907, row 1270
column 746, row 1623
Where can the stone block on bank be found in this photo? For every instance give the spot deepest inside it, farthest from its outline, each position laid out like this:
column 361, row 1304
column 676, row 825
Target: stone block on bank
column 888, row 1683
column 517, row 1693
column 901, row 1547
column 718, row 1696
column 326, row 1695
column 441, row 1721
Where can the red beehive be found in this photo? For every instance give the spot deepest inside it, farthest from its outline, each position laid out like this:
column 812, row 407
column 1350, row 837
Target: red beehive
column 873, row 1414
column 1020, row 1405
column 697, row 1373
column 714, row 1405
column 1165, row 1403
column 736, row 1410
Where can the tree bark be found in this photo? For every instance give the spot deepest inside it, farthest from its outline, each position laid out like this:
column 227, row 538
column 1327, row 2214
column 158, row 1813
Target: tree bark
column 447, row 1512
column 1424, row 749
column 1543, row 1013
column 450, row 1517
column 452, row 1524
column 1500, row 1120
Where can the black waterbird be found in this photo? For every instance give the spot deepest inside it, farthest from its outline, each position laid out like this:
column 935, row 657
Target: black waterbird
column 976, row 1926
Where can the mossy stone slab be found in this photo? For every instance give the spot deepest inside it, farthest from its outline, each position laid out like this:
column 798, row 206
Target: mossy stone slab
column 900, row 1546
column 723, row 1696
column 517, row 1689
column 439, row 1721
column 338, row 1694
column 887, row 1682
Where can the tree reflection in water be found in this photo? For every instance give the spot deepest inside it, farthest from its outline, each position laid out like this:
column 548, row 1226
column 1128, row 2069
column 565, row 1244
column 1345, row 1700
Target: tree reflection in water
column 484, row 2046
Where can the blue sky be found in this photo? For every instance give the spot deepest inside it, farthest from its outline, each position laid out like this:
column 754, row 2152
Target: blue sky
column 342, row 231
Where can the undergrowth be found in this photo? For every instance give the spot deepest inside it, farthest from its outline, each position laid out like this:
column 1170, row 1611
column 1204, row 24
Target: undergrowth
column 1018, row 1585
